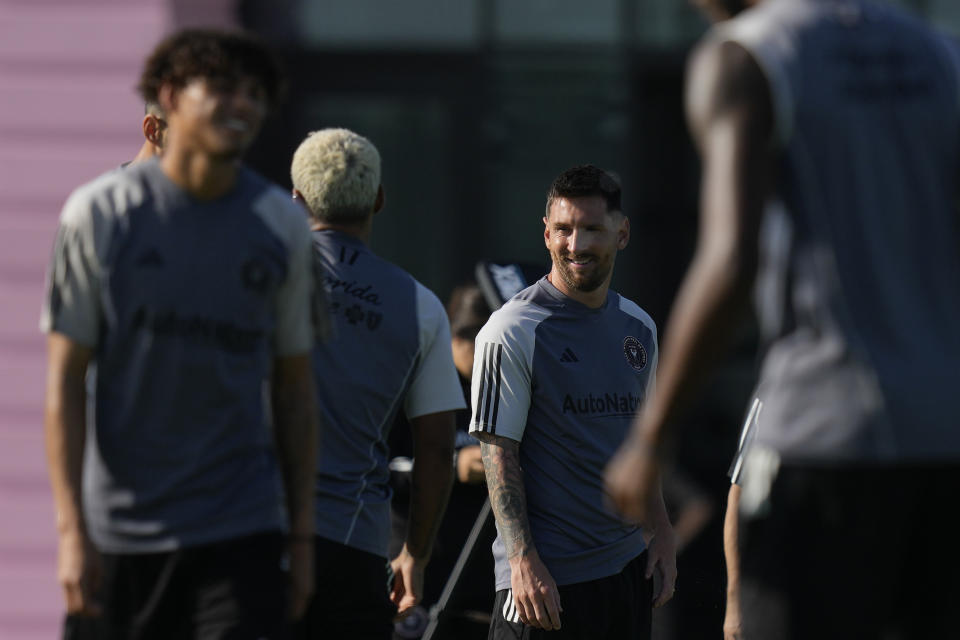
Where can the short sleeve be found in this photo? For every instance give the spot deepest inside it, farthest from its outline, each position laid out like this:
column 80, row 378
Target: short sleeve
column 502, row 376
column 435, row 385
column 71, row 304
column 296, row 298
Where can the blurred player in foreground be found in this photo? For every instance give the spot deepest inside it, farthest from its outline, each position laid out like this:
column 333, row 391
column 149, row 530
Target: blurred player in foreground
column 829, row 132
column 186, row 280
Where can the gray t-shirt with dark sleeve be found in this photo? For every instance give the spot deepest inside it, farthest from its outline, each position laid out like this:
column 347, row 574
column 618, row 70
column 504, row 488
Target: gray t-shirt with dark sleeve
column 389, row 351
column 185, row 304
column 565, row 381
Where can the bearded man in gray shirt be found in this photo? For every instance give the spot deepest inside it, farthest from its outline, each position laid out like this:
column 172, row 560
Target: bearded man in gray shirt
column 559, row 371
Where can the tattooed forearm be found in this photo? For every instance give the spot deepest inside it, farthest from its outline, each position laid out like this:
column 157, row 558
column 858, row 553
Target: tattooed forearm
column 508, row 499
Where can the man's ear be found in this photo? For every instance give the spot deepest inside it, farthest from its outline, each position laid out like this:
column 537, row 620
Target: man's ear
column 380, row 201
column 623, row 233
column 298, row 197
column 546, row 231
column 152, row 129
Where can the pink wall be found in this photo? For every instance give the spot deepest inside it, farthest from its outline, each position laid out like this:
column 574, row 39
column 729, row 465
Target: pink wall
column 68, row 112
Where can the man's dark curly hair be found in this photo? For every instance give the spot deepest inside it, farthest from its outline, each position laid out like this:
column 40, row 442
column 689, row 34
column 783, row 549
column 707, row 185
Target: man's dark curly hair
column 585, row 180
column 210, row 54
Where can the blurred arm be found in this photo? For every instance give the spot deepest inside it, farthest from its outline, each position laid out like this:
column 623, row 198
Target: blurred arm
column 731, row 553
column 295, row 422
column 731, row 116
column 65, row 433
column 295, row 427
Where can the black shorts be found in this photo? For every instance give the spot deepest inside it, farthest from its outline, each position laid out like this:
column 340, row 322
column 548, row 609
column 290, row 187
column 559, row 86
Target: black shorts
column 852, row 553
column 351, row 598
column 617, row 607
column 234, row 589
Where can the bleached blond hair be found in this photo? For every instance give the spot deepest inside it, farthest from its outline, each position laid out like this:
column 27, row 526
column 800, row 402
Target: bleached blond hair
column 338, row 173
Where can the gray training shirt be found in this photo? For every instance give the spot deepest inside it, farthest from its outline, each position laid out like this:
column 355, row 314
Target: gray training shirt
column 859, row 294
column 185, row 305
column 389, row 352
column 565, row 381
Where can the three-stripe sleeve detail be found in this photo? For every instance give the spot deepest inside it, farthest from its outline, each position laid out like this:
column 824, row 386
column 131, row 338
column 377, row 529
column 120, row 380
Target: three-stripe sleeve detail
column 488, row 398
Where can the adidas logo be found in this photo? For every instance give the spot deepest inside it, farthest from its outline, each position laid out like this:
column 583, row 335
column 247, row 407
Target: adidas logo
column 569, row 356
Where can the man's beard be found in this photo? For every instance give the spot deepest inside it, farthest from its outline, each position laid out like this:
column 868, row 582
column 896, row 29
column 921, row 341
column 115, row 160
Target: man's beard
column 587, row 282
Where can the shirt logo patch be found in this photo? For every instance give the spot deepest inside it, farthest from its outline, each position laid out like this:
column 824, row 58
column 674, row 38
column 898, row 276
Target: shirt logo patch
column 569, row 356
column 635, row 353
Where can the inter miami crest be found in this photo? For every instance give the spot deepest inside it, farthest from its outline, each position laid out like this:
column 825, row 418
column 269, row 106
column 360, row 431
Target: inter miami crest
column 635, row 353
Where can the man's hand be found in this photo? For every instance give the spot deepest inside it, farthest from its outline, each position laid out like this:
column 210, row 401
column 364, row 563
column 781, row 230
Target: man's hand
column 732, row 629
column 407, row 586
column 662, row 558
column 470, row 465
column 295, row 430
column 301, row 575
column 78, row 562
column 535, row 592
column 78, row 570
column 631, row 479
